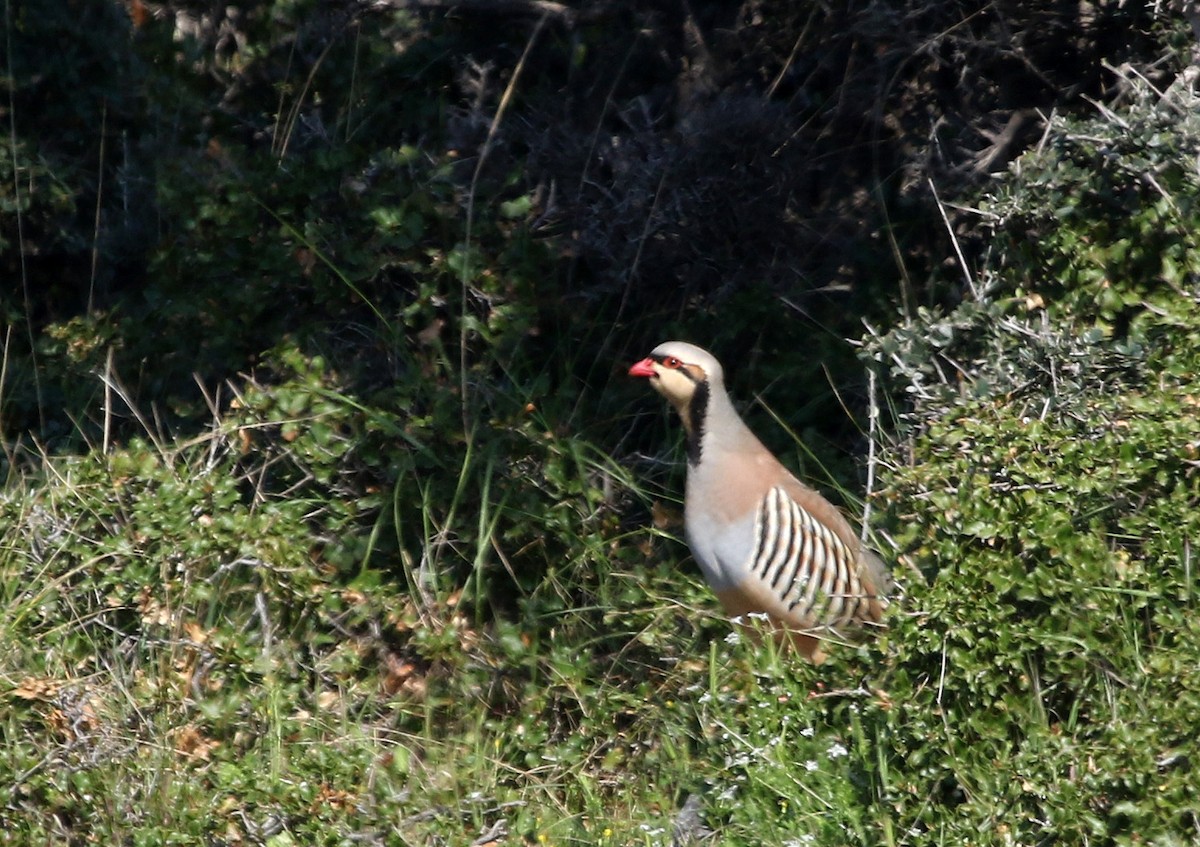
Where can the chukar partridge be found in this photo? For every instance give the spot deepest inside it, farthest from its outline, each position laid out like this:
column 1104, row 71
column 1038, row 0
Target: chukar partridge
column 766, row 542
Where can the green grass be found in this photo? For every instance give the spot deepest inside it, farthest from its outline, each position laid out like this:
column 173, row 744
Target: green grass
column 203, row 642
column 191, row 670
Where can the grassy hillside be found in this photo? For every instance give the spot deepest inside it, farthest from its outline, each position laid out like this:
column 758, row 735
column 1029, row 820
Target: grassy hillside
column 330, row 517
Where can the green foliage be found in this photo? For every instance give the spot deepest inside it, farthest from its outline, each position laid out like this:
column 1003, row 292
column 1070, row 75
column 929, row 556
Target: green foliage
column 1042, row 693
column 331, row 536
column 1053, row 627
column 1102, row 220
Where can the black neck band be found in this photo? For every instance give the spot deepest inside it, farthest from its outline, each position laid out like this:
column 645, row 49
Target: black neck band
column 697, row 414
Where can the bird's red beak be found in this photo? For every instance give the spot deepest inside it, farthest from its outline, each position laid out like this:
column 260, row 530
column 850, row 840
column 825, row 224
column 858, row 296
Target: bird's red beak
column 644, row 368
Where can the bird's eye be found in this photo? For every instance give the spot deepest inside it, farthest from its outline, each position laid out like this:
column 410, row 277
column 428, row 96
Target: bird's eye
column 671, row 362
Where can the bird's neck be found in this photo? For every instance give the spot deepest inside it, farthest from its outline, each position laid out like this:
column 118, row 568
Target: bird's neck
column 694, row 415
column 707, row 413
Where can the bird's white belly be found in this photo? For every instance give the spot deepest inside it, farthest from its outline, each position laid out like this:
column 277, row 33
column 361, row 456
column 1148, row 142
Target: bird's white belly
column 719, row 547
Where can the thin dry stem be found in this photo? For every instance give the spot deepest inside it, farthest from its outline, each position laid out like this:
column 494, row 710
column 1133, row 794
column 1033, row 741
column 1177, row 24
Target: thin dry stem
column 488, row 142
column 962, row 260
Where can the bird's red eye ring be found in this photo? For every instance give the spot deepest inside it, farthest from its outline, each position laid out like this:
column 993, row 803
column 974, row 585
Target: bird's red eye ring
column 671, row 362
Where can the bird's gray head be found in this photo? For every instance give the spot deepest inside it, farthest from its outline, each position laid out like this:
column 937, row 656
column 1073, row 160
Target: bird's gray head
column 676, row 368
column 686, row 375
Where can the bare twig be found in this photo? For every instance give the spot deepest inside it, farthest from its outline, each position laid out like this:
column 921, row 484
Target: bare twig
column 546, row 9
column 962, row 260
column 18, row 205
column 787, row 64
column 108, row 404
column 91, row 300
column 872, row 435
column 9, row 452
column 494, row 834
column 113, row 385
column 505, row 100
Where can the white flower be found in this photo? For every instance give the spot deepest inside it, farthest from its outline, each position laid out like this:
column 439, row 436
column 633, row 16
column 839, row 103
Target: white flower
column 836, row 751
column 810, row 765
column 807, row 732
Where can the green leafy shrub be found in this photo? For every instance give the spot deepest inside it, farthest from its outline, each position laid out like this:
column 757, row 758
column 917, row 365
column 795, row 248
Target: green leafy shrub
column 1042, row 691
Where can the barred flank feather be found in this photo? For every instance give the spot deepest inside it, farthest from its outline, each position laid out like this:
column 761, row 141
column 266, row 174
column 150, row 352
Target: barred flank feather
column 805, row 564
